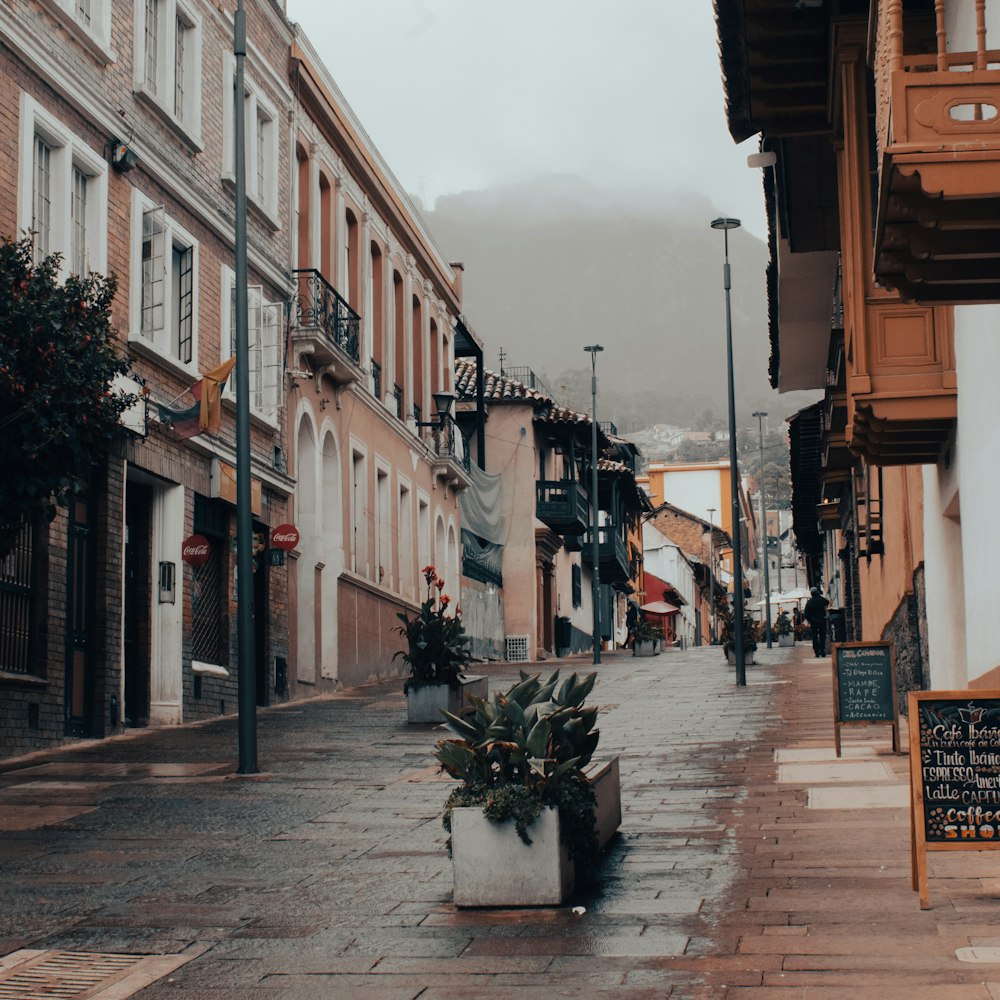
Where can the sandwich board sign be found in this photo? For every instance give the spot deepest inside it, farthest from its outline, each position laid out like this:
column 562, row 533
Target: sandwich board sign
column 864, row 687
column 954, row 775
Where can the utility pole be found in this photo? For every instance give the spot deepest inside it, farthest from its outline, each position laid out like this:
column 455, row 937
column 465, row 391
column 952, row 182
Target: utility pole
column 595, row 578
column 711, row 575
column 760, row 415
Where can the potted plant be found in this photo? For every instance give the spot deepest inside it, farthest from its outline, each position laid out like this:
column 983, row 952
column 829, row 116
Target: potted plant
column 782, row 628
column 802, row 631
column 645, row 636
column 750, row 636
column 533, row 810
column 437, row 652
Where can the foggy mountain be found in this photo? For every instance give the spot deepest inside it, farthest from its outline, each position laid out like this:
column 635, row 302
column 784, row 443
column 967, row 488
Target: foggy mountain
column 553, row 264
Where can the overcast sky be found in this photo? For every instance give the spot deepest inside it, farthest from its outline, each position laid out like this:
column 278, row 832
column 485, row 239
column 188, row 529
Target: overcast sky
column 467, row 94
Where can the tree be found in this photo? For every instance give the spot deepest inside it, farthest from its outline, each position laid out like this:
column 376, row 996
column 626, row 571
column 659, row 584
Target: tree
column 58, row 412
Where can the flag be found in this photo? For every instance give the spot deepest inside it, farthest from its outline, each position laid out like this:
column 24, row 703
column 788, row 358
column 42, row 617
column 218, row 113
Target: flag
column 206, row 412
column 210, row 397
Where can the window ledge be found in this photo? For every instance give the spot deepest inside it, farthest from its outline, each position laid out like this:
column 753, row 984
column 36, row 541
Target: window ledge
column 267, row 423
column 23, row 680
column 98, row 47
column 193, row 139
column 141, row 345
column 208, row 669
column 254, row 207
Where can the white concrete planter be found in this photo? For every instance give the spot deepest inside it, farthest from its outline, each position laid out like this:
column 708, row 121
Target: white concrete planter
column 747, row 657
column 493, row 867
column 427, row 702
column 644, row 648
column 786, row 640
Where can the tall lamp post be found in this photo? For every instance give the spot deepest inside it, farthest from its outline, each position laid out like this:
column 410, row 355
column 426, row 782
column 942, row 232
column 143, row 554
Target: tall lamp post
column 777, row 515
column 711, row 575
column 246, row 663
column 725, row 225
column 760, row 414
column 595, row 578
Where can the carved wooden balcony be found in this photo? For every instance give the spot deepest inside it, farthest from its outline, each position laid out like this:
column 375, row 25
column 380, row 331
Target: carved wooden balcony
column 562, row 504
column 612, row 554
column 901, row 386
column 325, row 328
column 938, row 128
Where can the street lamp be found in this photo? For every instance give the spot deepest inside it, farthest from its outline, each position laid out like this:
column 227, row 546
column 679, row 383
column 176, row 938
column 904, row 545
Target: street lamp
column 777, row 517
column 595, row 577
column 760, row 414
column 711, row 575
column 741, row 671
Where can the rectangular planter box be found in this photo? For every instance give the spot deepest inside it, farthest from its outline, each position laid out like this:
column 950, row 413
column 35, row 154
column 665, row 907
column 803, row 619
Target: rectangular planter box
column 427, row 702
column 786, row 640
column 493, row 867
column 645, row 648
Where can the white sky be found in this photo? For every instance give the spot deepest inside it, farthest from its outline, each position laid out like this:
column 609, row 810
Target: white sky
column 467, row 94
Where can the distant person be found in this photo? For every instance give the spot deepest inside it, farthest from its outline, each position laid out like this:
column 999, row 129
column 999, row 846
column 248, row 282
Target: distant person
column 815, row 614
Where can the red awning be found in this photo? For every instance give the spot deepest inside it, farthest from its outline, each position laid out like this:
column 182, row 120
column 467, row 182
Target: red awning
column 660, row 608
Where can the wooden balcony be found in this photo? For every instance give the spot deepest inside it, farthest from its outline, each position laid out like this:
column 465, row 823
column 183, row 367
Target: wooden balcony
column 562, row 504
column 612, row 553
column 937, row 234
column 325, row 328
column 901, row 386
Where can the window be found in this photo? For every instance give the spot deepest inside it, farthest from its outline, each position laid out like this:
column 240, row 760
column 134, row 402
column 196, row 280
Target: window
column 260, row 139
column 577, row 586
column 165, row 286
column 63, row 198
column 168, row 62
column 359, row 513
column 383, row 526
column 405, row 538
column 90, row 23
column 423, row 531
column 209, row 621
column 265, row 336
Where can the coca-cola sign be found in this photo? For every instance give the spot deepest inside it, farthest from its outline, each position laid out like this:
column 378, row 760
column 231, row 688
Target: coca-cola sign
column 285, row 536
column 195, row 550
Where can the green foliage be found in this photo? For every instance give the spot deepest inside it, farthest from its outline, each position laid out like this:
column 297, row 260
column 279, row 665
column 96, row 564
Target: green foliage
column 58, row 413
column 437, row 648
column 523, row 750
column 647, row 631
column 751, row 632
column 782, row 624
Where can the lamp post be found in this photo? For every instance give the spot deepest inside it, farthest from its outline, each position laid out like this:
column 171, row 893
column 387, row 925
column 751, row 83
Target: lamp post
column 777, row 515
column 595, row 578
column 711, row 576
column 246, row 659
column 760, row 414
column 741, row 671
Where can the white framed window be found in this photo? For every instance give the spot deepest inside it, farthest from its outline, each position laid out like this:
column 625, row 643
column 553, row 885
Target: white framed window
column 62, row 193
column 90, row 23
column 260, row 140
column 383, row 523
column 265, row 334
column 164, row 287
column 359, row 510
column 168, row 62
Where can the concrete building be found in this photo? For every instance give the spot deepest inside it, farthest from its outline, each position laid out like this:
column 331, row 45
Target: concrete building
column 892, row 123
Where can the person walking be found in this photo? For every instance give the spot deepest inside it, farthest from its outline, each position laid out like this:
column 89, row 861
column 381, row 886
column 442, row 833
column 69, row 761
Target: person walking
column 815, row 614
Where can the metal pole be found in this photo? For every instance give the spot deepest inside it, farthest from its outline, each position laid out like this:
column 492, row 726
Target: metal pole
column 760, row 414
column 777, row 516
column 595, row 578
column 741, row 671
column 711, row 576
column 244, row 515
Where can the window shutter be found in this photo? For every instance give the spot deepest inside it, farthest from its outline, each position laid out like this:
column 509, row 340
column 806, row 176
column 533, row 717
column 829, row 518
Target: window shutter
column 153, row 271
column 273, row 342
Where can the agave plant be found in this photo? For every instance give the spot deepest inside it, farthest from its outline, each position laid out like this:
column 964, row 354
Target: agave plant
column 523, row 750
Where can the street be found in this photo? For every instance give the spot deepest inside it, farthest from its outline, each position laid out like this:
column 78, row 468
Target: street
column 750, row 861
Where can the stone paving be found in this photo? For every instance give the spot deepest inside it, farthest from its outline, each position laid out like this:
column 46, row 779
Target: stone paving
column 750, row 863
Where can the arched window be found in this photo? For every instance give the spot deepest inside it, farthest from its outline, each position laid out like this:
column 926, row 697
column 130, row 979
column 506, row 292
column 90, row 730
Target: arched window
column 304, row 251
column 377, row 312
column 418, row 358
column 399, row 356
column 436, row 382
column 326, row 201
column 353, row 270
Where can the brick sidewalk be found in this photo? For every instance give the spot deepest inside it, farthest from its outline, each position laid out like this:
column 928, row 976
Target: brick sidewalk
column 744, row 867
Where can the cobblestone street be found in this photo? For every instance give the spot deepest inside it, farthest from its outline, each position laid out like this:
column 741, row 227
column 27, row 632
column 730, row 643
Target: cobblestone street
column 750, row 861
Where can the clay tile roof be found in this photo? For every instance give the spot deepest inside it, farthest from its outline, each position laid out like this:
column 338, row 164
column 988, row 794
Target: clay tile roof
column 497, row 388
column 557, row 414
column 608, row 465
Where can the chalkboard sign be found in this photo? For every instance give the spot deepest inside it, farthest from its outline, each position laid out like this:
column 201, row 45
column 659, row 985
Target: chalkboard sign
column 954, row 774
column 864, row 686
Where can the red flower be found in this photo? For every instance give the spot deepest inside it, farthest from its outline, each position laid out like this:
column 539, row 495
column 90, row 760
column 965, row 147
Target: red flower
column 445, row 600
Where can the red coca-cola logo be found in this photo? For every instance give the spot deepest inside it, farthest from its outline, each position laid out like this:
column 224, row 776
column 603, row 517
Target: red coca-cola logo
column 195, row 550
column 285, row 536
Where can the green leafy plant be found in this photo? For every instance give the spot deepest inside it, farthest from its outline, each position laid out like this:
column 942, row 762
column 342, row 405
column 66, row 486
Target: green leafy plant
column 524, row 750
column 751, row 632
column 58, row 358
column 802, row 631
column 782, row 624
column 437, row 648
column 646, row 631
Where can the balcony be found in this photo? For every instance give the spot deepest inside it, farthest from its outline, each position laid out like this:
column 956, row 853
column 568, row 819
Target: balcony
column 451, row 462
column 612, row 553
column 901, row 385
column 562, row 504
column 326, row 328
column 938, row 230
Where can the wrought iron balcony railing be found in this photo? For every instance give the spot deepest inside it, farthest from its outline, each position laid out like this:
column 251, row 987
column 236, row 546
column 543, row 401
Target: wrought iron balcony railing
column 612, row 552
column 449, row 443
column 376, row 379
column 562, row 504
column 319, row 305
column 397, row 393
